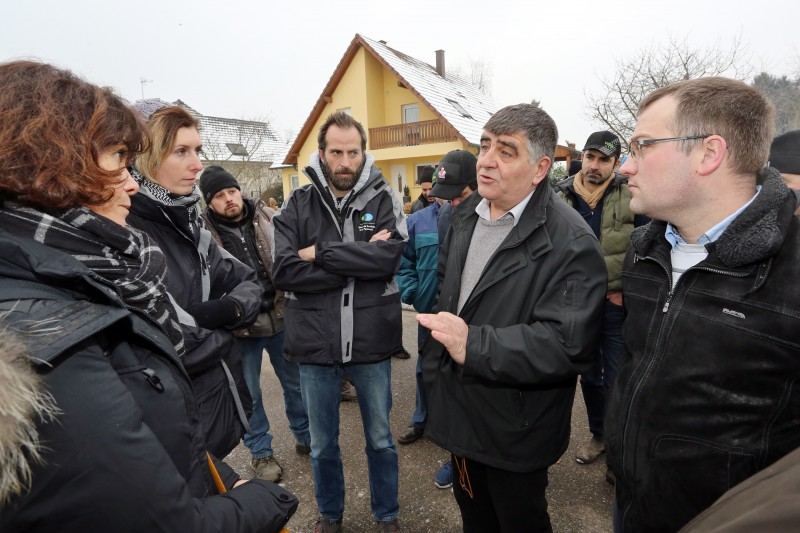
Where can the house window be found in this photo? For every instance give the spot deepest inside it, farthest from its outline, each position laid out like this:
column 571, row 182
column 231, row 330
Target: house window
column 295, row 181
column 410, row 113
column 458, row 108
column 421, row 167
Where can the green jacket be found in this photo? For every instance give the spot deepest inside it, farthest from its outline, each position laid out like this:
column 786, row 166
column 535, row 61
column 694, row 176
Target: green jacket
column 617, row 223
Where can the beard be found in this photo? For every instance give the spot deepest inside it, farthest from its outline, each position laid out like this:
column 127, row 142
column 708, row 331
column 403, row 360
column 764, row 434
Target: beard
column 596, row 179
column 343, row 178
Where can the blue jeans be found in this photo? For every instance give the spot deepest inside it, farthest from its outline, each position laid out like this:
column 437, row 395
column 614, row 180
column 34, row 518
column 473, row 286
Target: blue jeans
column 252, row 351
column 322, row 390
column 420, row 415
column 596, row 383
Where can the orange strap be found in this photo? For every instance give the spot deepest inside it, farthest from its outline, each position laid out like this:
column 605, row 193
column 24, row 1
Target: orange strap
column 215, row 475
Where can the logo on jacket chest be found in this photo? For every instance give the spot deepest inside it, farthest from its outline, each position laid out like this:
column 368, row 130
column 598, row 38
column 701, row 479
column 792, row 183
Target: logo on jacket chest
column 366, row 224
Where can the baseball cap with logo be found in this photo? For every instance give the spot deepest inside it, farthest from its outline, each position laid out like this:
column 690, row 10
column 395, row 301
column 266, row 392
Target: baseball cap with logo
column 604, row 142
column 455, row 172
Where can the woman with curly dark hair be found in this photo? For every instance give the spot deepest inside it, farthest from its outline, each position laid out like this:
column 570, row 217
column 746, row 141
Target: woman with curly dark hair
column 123, row 448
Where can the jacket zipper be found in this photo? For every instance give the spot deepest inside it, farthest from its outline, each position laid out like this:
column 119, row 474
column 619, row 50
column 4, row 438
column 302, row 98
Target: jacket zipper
column 658, row 345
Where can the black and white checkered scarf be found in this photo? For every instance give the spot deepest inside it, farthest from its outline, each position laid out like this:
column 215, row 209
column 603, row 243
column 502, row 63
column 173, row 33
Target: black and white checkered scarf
column 121, row 258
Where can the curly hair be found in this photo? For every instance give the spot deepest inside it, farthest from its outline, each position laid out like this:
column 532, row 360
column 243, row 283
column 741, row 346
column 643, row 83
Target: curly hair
column 163, row 126
column 53, row 128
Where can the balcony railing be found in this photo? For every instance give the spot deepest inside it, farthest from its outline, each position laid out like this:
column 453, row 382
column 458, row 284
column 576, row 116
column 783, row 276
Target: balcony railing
column 411, row 134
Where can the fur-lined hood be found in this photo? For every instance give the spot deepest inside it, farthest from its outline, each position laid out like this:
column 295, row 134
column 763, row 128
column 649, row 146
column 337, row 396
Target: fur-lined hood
column 23, row 404
column 754, row 236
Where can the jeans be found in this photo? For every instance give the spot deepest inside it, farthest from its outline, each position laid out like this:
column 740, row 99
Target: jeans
column 596, row 383
column 321, row 387
column 420, row 403
column 252, row 351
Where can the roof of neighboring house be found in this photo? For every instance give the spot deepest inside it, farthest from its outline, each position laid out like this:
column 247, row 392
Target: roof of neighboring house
column 440, row 93
column 283, row 154
column 230, row 139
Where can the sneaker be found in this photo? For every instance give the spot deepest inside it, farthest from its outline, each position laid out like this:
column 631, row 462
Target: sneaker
column 390, row 526
column 267, row 468
column 590, row 451
column 348, row 392
column 325, row 526
column 411, row 436
column 402, row 355
column 302, row 449
column 444, row 476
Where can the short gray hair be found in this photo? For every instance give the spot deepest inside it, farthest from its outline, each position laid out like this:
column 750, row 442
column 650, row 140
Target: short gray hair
column 539, row 128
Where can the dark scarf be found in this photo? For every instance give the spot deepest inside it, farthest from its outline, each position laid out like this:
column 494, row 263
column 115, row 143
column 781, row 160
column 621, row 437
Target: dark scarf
column 160, row 195
column 124, row 259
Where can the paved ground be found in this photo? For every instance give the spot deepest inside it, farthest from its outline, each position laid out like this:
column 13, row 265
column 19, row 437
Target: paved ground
column 580, row 498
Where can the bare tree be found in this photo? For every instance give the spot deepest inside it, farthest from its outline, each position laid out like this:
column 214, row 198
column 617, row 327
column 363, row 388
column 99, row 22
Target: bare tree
column 478, row 72
column 784, row 93
column 615, row 105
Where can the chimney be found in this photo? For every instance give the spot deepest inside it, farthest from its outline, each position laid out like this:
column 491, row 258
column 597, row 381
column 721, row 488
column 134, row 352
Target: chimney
column 440, row 63
column 382, row 42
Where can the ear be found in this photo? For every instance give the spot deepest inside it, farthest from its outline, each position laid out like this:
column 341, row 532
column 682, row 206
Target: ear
column 541, row 166
column 617, row 164
column 711, row 154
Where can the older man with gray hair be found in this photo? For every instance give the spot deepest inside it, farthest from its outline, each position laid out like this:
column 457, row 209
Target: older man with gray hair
column 519, row 315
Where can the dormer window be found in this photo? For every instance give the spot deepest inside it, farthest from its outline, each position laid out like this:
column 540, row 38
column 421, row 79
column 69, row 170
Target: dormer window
column 237, row 149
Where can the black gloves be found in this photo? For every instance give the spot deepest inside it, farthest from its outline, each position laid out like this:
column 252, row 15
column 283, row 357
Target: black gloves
column 214, row 314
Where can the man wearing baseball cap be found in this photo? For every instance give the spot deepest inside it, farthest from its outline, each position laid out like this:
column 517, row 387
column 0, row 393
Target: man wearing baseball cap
column 602, row 198
column 456, row 178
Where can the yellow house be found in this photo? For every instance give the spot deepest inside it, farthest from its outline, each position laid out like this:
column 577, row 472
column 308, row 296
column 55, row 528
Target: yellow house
column 403, row 103
column 414, row 113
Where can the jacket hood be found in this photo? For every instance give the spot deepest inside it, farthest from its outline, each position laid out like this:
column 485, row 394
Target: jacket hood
column 24, row 402
column 755, row 235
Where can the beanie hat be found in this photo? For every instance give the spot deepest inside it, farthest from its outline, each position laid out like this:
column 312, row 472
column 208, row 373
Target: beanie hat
column 604, row 142
column 147, row 107
column 214, row 179
column 784, row 154
column 456, row 171
column 426, row 176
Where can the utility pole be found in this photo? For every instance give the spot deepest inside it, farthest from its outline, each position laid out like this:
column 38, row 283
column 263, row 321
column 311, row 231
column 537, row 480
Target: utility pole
column 144, row 81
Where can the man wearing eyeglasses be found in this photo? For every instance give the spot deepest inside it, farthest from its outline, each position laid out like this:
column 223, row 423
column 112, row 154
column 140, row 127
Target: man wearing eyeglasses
column 520, row 304
column 707, row 392
column 602, row 198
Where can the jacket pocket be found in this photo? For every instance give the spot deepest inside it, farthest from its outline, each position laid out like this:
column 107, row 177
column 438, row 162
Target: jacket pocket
column 688, row 474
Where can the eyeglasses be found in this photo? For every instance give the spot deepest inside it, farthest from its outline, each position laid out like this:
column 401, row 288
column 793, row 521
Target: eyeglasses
column 636, row 146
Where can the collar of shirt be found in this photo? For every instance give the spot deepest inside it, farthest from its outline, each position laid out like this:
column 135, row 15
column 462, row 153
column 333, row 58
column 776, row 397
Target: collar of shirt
column 483, row 209
column 711, row 235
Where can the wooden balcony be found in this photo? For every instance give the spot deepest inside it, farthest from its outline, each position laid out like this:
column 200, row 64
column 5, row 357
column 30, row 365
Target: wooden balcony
column 411, row 134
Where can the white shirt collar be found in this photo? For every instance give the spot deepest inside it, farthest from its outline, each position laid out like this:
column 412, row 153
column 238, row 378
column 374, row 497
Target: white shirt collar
column 483, row 209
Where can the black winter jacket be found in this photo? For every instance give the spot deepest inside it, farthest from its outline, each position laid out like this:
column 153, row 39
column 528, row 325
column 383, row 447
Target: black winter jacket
column 708, row 387
column 345, row 306
column 126, row 452
column 534, row 319
column 179, row 236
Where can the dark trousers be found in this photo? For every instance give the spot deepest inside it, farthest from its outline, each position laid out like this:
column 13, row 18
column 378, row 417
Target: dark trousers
column 596, row 383
column 500, row 501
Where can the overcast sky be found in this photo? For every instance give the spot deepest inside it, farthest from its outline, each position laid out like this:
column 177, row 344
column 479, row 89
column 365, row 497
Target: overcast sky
column 271, row 59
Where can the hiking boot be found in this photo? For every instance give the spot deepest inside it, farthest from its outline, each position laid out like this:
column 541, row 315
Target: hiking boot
column 390, row 526
column 323, row 525
column 590, row 451
column 267, row 468
column 348, row 392
column 302, row 449
column 402, row 355
column 444, row 476
column 411, row 436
